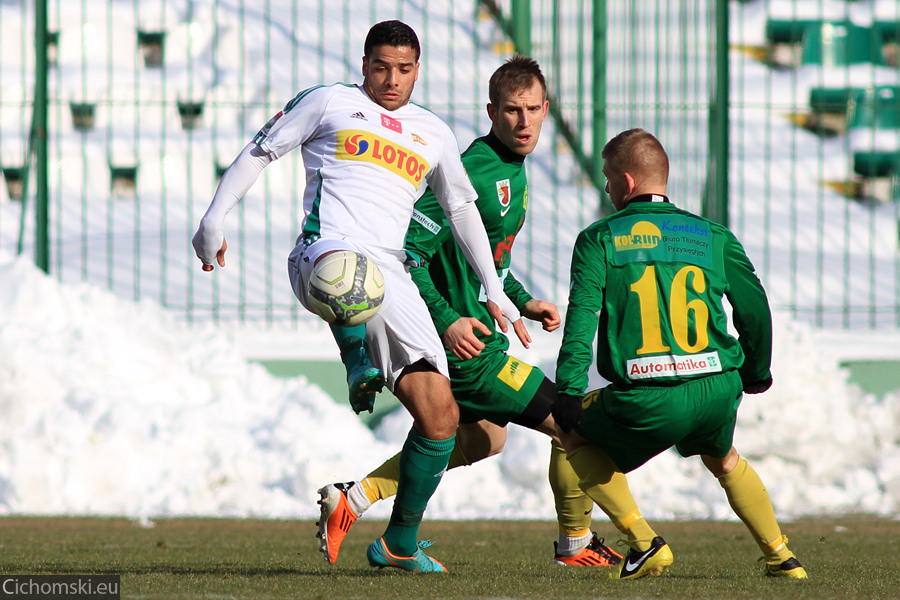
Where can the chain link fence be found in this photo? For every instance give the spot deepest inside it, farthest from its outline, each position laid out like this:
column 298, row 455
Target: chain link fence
column 150, row 100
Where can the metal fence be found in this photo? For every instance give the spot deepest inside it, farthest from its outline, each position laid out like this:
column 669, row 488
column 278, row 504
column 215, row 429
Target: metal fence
column 150, row 100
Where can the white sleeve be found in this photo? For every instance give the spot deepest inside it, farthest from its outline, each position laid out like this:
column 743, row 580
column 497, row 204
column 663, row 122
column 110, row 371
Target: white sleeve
column 235, row 182
column 465, row 221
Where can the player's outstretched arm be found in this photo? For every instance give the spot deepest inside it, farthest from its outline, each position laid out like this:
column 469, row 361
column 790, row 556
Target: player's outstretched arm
column 465, row 222
column 209, row 240
column 518, row 325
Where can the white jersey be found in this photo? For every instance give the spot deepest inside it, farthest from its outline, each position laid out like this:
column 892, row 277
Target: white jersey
column 366, row 166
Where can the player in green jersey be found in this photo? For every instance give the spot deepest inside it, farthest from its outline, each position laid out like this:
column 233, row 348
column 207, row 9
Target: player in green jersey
column 491, row 387
column 649, row 282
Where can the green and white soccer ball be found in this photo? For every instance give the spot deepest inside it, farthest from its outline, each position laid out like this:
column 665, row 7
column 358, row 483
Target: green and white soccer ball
column 346, row 288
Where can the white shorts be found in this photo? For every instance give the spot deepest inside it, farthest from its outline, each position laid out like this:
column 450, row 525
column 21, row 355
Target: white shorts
column 401, row 333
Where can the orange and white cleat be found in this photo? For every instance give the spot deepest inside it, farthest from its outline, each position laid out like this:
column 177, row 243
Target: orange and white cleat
column 595, row 554
column 336, row 520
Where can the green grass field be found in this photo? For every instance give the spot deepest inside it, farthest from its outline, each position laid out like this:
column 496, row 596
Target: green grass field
column 847, row 558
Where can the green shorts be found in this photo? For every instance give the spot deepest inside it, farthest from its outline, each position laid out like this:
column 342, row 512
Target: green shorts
column 632, row 425
column 498, row 388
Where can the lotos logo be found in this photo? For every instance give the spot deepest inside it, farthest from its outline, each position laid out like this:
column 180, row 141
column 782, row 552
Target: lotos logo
column 356, row 145
column 368, row 147
column 644, row 234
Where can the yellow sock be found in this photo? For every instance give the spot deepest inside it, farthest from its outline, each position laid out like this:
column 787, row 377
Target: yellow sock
column 608, row 487
column 381, row 483
column 748, row 497
column 573, row 506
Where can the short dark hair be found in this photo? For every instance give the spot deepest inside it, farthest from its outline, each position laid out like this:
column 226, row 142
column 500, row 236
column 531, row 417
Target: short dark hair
column 391, row 33
column 637, row 151
column 517, row 73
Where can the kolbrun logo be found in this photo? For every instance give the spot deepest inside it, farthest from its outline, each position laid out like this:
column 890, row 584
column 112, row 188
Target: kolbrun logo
column 367, row 147
column 644, row 235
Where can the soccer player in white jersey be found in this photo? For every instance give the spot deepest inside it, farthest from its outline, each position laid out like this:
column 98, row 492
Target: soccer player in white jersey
column 369, row 154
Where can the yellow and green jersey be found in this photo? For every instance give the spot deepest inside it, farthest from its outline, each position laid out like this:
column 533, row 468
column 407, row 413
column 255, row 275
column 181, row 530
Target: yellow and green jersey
column 649, row 282
column 448, row 284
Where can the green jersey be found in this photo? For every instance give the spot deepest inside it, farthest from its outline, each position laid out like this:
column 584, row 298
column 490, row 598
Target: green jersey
column 649, row 281
column 448, row 284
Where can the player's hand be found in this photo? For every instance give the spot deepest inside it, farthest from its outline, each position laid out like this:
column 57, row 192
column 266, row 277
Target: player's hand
column 757, row 387
column 461, row 340
column 567, row 411
column 220, row 257
column 518, row 325
column 207, row 245
column 543, row 311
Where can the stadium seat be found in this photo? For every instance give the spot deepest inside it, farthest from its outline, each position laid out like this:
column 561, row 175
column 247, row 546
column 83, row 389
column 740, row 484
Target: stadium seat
column 879, row 175
column 787, row 31
column 829, row 106
column 825, row 42
column 13, row 179
column 889, row 30
column 153, row 47
column 874, row 141
column 876, row 164
column 837, row 44
column 877, row 109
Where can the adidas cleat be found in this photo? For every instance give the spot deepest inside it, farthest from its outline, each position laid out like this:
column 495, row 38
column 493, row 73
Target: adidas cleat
column 336, row 520
column 790, row 569
column 379, row 556
column 595, row 554
column 654, row 561
column 364, row 382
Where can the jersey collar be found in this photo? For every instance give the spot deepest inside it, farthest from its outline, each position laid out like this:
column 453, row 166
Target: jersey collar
column 501, row 149
column 649, row 198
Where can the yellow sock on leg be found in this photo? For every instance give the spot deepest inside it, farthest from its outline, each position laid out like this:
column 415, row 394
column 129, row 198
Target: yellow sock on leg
column 750, row 501
column 381, row 483
column 608, row 487
column 573, row 506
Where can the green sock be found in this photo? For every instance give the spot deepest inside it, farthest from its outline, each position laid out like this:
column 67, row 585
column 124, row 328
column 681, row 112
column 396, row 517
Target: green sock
column 422, row 463
column 351, row 343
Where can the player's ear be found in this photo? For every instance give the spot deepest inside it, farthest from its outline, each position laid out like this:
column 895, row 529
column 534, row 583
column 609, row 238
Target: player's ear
column 491, row 111
column 365, row 66
column 629, row 180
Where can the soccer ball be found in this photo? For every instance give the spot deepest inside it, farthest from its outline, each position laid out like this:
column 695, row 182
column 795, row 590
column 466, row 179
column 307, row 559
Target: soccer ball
column 346, row 288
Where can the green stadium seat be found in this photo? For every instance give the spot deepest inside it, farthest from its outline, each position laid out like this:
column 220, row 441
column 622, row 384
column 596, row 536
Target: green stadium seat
column 889, row 30
column 787, row 31
column 841, row 43
column 874, row 164
column 832, row 100
column 877, row 108
column 829, row 106
column 879, row 173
